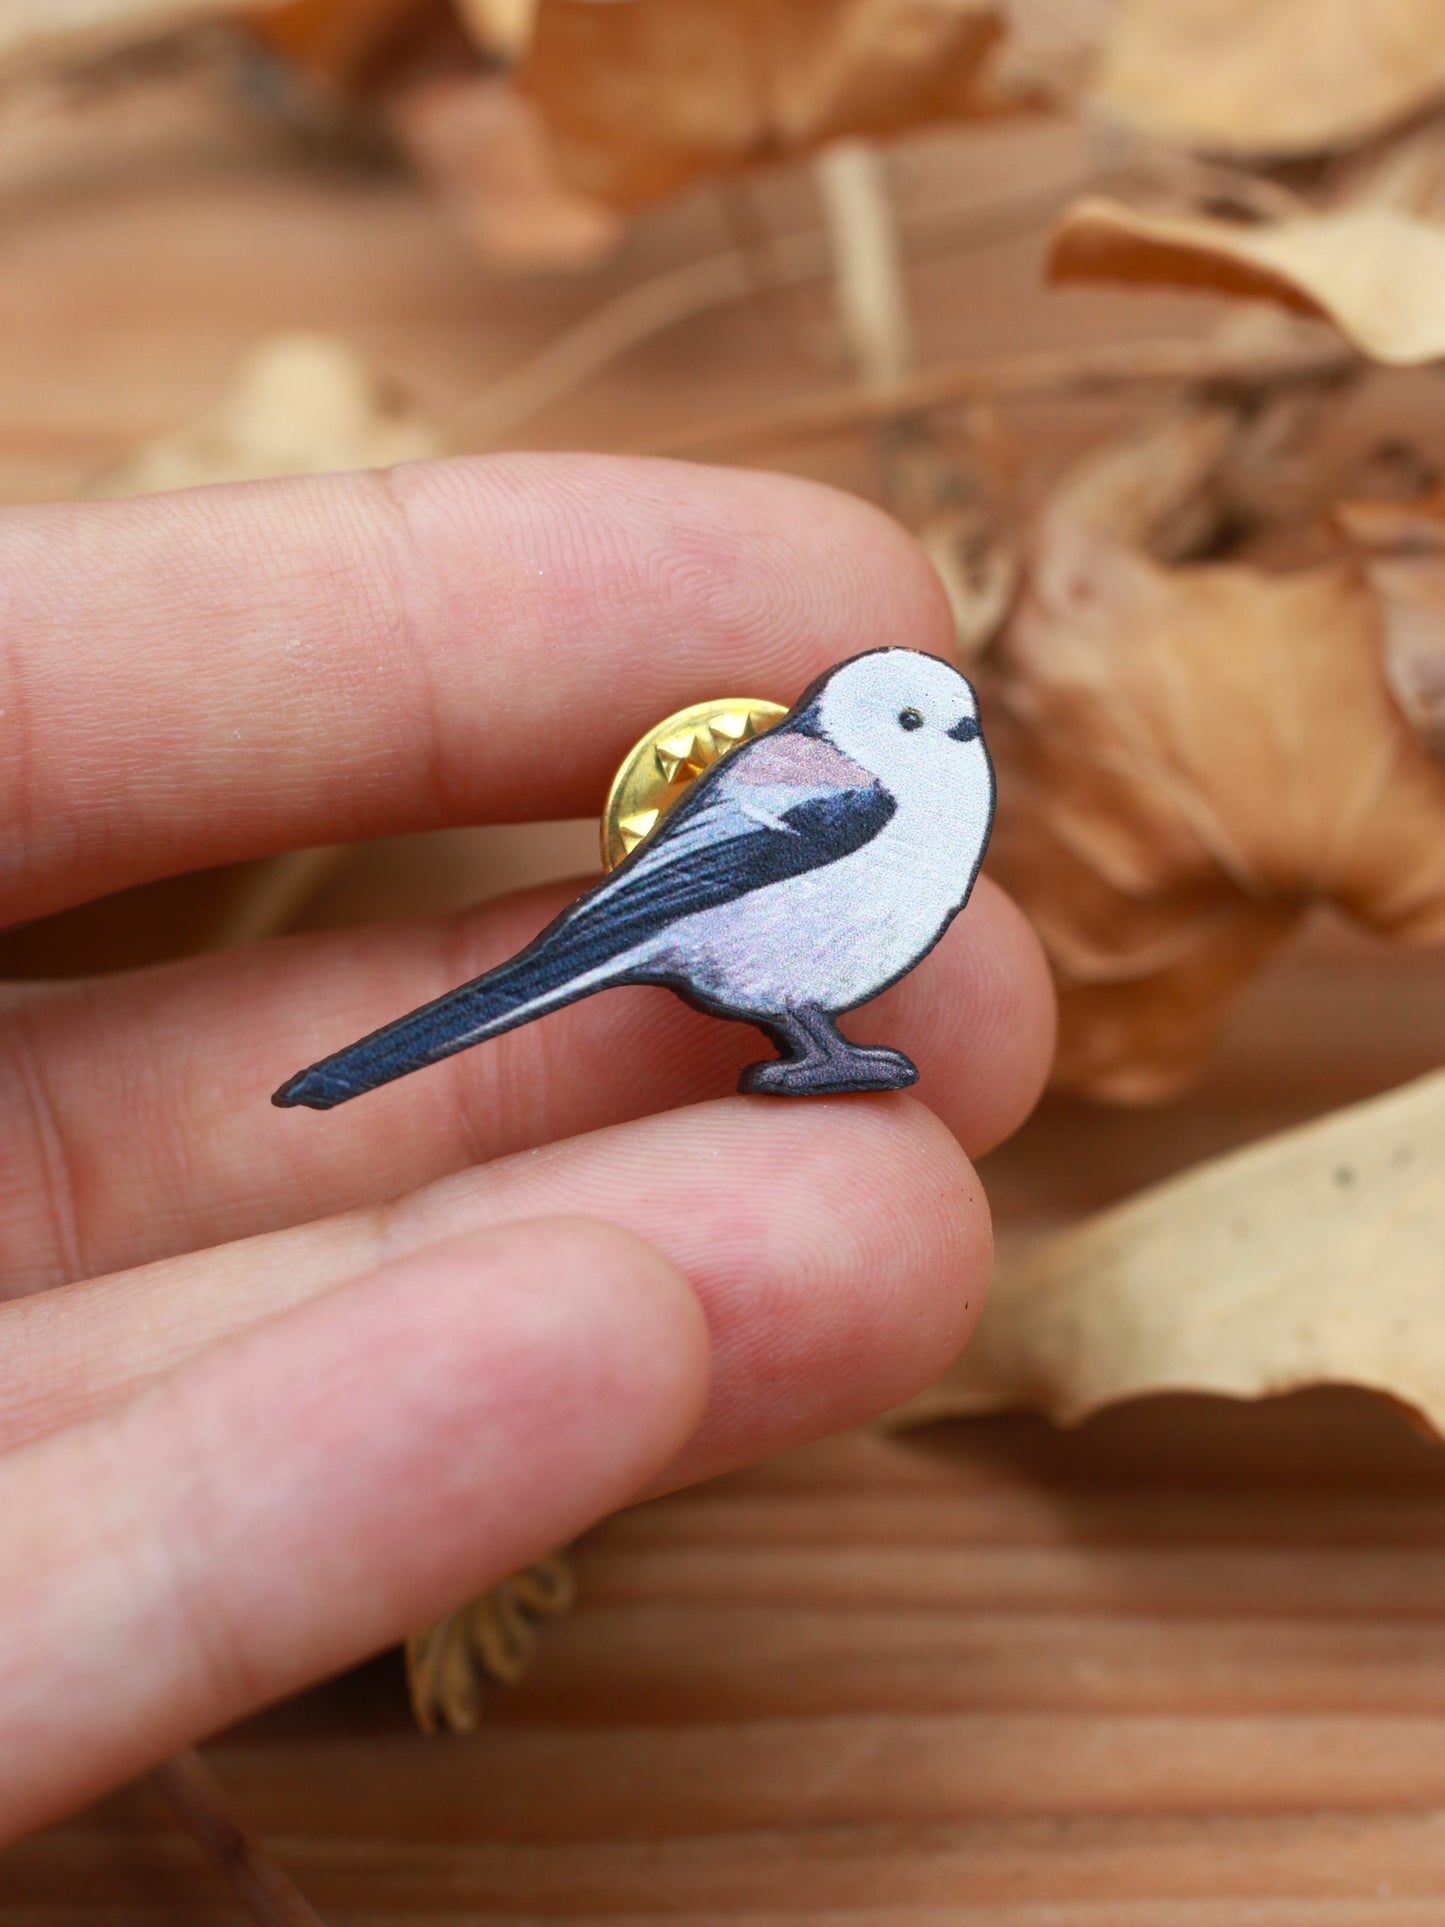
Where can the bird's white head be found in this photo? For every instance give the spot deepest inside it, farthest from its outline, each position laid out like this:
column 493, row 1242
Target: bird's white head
column 913, row 721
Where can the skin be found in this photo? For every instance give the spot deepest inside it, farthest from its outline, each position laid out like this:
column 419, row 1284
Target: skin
column 277, row 1387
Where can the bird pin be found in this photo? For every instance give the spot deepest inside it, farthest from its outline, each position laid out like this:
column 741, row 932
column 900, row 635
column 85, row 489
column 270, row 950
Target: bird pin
column 799, row 876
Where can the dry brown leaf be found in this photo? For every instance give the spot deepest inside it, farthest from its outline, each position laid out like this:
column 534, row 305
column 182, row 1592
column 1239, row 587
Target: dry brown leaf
column 643, row 97
column 1188, row 758
column 481, row 145
column 1316, row 1257
column 474, row 139
column 350, row 44
column 1155, row 491
column 1403, row 546
column 1270, row 77
column 1376, row 271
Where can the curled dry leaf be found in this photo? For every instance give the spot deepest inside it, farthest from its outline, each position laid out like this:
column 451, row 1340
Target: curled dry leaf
column 643, row 97
column 1403, row 548
column 1376, row 271
column 1188, row 758
column 494, row 1638
column 1271, row 78
column 481, row 145
column 1315, row 1257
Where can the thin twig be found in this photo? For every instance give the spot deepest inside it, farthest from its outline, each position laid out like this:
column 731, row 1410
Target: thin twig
column 1005, row 378
column 650, row 308
column 195, row 1797
column 870, row 286
column 273, row 894
column 778, row 297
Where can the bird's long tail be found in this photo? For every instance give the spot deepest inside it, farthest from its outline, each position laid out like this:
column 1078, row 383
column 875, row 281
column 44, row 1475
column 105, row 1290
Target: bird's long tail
column 528, row 985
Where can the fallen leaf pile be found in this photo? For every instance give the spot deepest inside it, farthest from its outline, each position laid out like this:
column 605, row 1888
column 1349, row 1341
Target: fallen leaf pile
column 642, row 97
column 579, row 110
column 1314, row 1258
column 1190, row 758
column 1357, row 235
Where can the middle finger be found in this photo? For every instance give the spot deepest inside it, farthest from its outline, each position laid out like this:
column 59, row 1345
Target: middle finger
column 840, row 1250
column 188, row 1055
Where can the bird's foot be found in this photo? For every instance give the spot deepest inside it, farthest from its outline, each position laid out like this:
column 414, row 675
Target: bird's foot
column 856, row 1069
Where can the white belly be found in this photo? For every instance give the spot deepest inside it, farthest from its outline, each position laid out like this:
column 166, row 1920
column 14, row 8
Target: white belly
column 831, row 938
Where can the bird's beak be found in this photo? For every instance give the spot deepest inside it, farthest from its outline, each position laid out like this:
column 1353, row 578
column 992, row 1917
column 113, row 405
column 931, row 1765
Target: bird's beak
column 965, row 730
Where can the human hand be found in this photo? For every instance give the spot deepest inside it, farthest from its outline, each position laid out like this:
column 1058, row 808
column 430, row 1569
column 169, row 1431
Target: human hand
column 277, row 1388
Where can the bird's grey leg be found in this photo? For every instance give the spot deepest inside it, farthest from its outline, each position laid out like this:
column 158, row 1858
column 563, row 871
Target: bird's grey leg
column 821, row 1059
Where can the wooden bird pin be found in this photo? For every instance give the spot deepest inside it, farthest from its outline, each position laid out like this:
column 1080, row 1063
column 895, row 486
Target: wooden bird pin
column 801, row 875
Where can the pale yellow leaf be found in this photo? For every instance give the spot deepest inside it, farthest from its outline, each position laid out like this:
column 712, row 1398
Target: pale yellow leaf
column 1270, row 77
column 298, row 405
column 1316, row 1257
column 1377, row 272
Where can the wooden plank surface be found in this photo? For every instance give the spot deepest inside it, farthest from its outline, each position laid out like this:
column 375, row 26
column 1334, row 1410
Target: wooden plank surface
column 1183, row 1668
column 1187, row 1665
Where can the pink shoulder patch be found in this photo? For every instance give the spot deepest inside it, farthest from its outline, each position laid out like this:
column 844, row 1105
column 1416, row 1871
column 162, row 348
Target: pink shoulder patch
column 804, row 761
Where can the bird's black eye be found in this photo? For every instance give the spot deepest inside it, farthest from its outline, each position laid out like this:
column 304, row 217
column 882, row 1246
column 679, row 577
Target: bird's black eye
column 910, row 719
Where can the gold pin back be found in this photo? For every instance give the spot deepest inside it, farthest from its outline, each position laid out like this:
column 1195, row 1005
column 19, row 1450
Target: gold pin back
column 660, row 769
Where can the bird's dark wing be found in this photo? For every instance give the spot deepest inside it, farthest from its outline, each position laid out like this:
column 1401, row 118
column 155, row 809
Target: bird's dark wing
column 781, row 805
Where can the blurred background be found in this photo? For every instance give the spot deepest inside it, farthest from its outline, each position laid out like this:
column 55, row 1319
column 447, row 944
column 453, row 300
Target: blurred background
column 1132, row 310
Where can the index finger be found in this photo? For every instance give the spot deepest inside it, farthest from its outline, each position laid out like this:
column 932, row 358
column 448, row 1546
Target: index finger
column 196, row 678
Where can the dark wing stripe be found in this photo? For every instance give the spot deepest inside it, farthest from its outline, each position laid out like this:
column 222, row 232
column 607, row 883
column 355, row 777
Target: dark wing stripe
column 821, row 829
